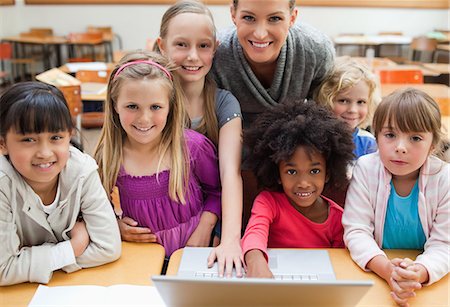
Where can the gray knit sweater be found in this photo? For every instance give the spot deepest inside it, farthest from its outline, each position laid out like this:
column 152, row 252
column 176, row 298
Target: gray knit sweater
column 304, row 61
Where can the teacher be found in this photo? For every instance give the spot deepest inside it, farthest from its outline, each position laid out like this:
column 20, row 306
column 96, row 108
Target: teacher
column 267, row 58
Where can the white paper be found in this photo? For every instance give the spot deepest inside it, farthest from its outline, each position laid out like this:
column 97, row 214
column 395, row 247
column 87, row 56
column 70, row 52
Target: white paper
column 74, row 67
column 117, row 295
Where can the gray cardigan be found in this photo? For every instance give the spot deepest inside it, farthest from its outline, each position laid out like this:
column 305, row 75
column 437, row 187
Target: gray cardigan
column 27, row 233
column 304, row 61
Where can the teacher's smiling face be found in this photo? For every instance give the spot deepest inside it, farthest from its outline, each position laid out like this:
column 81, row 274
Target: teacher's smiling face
column 262, row 28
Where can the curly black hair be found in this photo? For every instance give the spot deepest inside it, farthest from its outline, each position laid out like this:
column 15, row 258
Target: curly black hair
column 277, row 133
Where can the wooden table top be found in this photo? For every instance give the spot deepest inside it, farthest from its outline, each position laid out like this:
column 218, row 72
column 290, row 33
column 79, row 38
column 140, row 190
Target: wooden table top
column 425, row 70
column 441, row 68
column 344, row 268
column 44, row 40
column 445, row 47
column 376, row 62
column 373, row 40
column 138, row 262
column 434, row 90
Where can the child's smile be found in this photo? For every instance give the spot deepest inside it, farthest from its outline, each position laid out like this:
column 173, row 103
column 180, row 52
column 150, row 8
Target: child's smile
column 303, row 177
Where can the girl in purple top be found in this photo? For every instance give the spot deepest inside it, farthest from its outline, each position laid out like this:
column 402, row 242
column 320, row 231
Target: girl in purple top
column 167, row 176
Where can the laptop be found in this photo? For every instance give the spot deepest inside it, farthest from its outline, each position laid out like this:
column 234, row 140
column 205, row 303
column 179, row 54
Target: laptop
column 306, row 278
column 294, row 264
column 178, row 291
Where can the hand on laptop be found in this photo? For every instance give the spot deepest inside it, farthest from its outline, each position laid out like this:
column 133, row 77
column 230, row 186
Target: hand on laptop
column 228, row 255
column 129, row 231
column 257, row 265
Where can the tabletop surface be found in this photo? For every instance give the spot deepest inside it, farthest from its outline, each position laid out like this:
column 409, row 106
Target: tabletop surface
column 344, row 268
column 138, row 262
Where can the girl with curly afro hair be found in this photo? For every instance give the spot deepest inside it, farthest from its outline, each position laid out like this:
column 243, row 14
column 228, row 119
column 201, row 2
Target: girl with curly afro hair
column 297, row 149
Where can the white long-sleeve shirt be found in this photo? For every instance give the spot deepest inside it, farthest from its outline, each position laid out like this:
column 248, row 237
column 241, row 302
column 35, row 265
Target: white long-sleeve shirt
column 365, row 212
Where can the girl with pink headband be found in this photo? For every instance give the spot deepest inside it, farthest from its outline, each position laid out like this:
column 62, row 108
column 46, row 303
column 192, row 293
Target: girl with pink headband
column 167, row 175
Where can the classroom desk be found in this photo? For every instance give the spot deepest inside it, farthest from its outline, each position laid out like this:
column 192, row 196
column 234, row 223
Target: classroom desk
column 108, row 66
column 441, row 68
column 426, row 72
column 138, row 262
column 91, row 43
column 344, row 268
column 377, row 63
column 439, row 92
column 372, row 41
column 45, row 42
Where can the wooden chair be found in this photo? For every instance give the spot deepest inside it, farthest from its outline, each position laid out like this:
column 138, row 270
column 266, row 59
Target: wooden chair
column 20, row 64
column 100, row 76
column 72, row 94
column 42, row 31
column 5, row 56
column 109, row 37
column 421, row 47
column 94, row 119
column 401, row 76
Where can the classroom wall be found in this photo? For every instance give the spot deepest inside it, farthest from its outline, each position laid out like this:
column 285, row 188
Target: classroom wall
column 136, row 23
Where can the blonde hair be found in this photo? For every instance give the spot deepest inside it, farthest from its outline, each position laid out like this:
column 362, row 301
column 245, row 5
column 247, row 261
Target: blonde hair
column 109, row 149
column 346, row 73
column 209, row 124
column 410, row 110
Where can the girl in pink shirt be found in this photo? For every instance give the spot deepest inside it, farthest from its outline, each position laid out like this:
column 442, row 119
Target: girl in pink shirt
column 297, row 149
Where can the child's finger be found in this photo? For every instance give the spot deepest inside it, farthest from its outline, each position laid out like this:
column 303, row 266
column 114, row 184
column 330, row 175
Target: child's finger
column 396, row 261
column 212, row 258
column 400, row 274
column 406, row 263
column 239, row 267
column 409, row 285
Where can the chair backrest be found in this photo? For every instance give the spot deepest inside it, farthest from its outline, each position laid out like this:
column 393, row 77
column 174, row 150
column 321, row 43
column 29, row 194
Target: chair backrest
column 42, row 31
column 72, row 94
column 5, row 51
column 85, row 37
column 107, row 32
column 401, row 76
column 423, row 43
column 101, row 76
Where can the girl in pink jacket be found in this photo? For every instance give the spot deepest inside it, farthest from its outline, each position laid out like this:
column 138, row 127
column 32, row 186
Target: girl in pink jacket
column 399, row 196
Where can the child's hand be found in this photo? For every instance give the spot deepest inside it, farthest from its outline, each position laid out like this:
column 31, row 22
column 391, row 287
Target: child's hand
column 227, row 255
column 257, row 265
column 409, row 275
column 405, row 279
column 130, row 232
column 79, row 238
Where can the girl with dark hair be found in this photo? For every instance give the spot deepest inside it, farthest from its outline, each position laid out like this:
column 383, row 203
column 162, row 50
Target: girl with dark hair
column 54, row 212
column 297, row 149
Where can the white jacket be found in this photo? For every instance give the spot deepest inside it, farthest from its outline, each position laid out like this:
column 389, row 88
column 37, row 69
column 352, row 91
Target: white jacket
column 365, row 211
column 27, row 233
